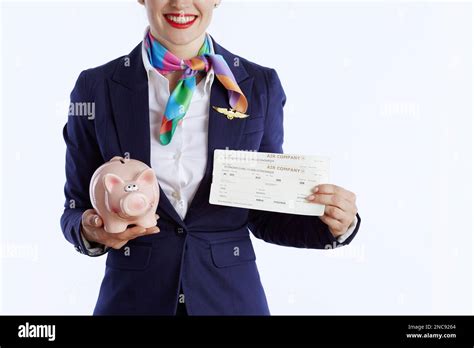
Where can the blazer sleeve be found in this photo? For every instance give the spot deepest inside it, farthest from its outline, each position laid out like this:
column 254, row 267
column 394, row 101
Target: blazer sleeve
column 83, row 157
column 279, row 228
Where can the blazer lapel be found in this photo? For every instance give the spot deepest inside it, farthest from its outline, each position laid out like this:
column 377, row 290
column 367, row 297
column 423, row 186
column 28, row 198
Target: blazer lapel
column 222, row 132
column 129, row 98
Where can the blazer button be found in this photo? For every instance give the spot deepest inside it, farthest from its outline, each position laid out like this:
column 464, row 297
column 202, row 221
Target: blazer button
column 180, row 230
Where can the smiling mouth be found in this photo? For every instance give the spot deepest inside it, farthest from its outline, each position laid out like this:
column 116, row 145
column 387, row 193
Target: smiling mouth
column 180, row 20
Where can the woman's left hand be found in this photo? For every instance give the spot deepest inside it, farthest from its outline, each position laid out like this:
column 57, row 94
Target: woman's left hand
column 340, row 208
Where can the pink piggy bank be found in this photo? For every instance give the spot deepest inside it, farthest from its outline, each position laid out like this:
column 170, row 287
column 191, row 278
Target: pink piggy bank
column 125, row 192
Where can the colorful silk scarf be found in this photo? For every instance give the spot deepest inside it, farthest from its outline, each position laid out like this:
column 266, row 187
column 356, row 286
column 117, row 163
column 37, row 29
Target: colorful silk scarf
column 178, row 103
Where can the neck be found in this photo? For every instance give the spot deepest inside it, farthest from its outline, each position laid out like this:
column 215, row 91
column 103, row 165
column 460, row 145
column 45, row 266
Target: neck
column 186, row 51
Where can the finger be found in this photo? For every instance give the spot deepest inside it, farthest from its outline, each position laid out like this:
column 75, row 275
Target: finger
column 85, row 216
column 96, row 220
column 334, row 189
column 151, row 230
column 334, row 225
column 91, row 219
column 334, row 200
column 136, row 231
column 337, row 214
column 117, row 244
column 130, row 233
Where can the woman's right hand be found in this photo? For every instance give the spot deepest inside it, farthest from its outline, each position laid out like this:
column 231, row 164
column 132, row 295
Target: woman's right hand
column 93, row 231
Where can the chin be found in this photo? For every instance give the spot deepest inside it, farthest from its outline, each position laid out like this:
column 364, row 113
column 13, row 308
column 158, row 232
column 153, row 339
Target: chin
column 183, row 37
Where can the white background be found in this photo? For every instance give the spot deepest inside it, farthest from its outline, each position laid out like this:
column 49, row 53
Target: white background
column 383, row 88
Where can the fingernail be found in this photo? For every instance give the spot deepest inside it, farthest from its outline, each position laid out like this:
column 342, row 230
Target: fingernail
column 316, row 189
column 310, row 198
column 96, row 220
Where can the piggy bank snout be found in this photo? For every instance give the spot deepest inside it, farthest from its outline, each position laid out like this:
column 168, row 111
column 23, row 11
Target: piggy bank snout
column 134, row 204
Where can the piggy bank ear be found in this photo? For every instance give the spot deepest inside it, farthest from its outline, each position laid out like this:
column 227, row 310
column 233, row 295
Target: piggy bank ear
column 111, row 181
column 147, row 177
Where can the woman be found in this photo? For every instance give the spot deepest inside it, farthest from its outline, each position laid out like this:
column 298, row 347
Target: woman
column 157, row 105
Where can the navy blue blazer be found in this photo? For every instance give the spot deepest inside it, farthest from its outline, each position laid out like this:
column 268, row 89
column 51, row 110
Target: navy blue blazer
column 144, row 276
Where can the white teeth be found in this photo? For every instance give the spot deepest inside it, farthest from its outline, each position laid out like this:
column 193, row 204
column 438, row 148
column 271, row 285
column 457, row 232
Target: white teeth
column 180, row 19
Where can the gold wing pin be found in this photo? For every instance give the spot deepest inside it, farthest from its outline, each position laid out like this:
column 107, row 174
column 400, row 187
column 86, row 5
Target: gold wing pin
column 230, row 113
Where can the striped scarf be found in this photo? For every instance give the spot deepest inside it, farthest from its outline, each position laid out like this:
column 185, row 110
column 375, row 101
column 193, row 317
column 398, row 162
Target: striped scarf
column 178, row 103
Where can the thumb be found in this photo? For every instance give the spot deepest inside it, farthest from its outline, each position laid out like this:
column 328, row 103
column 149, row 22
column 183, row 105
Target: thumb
column 92, row 219
column 95, row 220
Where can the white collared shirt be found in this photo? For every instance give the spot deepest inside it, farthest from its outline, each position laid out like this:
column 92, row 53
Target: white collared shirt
column 180, row 165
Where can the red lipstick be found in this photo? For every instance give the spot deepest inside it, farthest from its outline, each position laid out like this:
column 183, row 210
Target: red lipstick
column 175, row 24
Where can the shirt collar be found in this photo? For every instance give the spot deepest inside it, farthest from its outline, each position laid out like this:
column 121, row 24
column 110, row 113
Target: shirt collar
column 149, row 68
